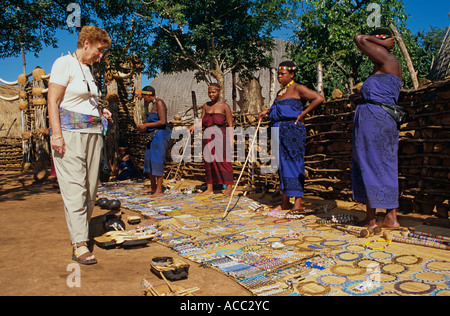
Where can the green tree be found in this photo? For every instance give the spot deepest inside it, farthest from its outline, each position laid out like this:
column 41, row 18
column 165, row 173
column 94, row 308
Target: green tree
column 429, row 42
column 211, row 37
column 28, row 26
column 324, row 33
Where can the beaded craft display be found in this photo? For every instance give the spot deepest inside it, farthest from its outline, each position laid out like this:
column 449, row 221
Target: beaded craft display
column 271, row 255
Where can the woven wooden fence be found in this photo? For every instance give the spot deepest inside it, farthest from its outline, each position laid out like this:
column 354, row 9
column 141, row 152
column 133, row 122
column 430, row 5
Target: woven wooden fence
column 424, row 152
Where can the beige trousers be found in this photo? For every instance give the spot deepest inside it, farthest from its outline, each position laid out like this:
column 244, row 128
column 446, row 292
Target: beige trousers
column 78, row 179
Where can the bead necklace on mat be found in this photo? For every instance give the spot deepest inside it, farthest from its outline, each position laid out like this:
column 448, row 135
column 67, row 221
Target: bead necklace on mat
column 415, row 276
column 418, row 260
column 398, row 287
column 376, row 274
column 386, row 266
column 426, row 267
column 302, row 288
column 388, row 242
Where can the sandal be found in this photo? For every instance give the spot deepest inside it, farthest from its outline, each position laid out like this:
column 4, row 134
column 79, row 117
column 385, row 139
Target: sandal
column 81, row 253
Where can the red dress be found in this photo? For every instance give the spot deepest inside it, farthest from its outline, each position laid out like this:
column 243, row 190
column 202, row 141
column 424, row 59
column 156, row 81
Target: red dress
column 218, row 167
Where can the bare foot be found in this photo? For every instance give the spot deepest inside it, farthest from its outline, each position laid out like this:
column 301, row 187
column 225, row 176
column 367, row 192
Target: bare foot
column 148, row 191
column 286, row 206
column 368, row 223
column 283, row 207
column 157, row 194
column 389, row 221
column 227, row 191
column 207, row 192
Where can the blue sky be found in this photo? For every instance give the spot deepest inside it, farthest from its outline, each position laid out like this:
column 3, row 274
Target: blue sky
column 423, row 14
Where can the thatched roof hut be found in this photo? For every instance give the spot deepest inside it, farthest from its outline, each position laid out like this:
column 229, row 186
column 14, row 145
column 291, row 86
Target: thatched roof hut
column 441, row 65
column 9, row 113
column 176, row 88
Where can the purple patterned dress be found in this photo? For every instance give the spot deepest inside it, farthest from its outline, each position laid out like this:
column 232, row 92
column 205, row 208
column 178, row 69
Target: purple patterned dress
column 291, row 142
column 375, row 144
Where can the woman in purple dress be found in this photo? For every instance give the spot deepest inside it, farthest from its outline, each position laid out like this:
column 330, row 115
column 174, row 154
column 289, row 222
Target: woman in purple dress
column 375, row 132
column 288, row 115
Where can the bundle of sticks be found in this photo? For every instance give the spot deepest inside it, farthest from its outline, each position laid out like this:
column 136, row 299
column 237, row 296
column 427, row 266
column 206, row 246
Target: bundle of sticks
column 173, row 292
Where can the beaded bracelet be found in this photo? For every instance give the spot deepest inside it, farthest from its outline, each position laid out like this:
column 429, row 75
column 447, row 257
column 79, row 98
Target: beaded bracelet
column 405, row 268
column 347, row 248
column 378, row 263
column 415, row 278
column 438, row 291
column 370, row 253
column 313, row 239
column 335, row 270
column 388, row 242
column 320, row 280
column 340, row 243
column 339, row 256
column 398, row 287
column 418, row 260
column 369, row 275
column 426, row 268
column 301, row 288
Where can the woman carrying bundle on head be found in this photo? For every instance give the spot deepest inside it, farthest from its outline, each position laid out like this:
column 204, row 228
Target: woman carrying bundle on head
column 159, row 135
column 375, row 133
column 288, row 114
column 216, row 117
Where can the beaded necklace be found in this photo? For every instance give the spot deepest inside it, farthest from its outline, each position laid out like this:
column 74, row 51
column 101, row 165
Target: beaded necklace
column 284, row 88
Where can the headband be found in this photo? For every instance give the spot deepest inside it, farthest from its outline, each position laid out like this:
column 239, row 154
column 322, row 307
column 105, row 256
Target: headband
column 381, row 36
column 146, row 92
column 287, row 68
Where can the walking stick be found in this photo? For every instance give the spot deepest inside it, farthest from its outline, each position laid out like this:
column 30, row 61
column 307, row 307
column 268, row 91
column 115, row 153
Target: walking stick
column 225, row 214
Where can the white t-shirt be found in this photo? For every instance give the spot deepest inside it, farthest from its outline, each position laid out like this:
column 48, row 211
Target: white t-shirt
column 66, row 71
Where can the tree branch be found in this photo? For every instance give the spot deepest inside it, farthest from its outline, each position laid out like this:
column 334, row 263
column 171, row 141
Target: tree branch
column 177, row 40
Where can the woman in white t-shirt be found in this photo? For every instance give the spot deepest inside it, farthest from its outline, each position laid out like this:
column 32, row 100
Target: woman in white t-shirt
column 77, row 123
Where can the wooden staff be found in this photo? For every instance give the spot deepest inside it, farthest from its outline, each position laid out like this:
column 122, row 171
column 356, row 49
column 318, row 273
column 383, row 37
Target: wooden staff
column 167, row 282
column 225, row 214
column 414, row 241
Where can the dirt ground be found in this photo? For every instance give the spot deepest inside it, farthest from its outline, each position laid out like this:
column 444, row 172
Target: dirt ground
column 36, row 252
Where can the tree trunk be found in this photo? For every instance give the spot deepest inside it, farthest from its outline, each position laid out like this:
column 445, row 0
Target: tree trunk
column 24, row 62
column 320, row 78
column 219, row 76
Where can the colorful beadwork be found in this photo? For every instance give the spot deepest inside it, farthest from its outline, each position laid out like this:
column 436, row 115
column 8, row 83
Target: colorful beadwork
column 287, row 68
column 284, row 89
column 381, row 36
column 388, row 242
column 428, row 269
column 398, row 287
column 242, row 247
